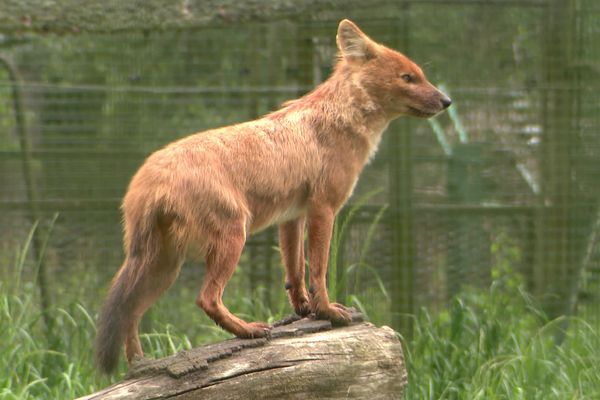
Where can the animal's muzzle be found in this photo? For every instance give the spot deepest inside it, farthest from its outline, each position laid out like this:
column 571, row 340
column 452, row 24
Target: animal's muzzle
column 446, row 101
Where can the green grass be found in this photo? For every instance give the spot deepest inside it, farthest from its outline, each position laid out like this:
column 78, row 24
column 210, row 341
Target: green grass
column 35, row 365
column 487, row 344
column 60, row 365
column 496, row 344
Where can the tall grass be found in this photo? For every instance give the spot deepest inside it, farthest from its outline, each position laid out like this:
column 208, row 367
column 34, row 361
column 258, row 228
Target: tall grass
column 496, row 344
column 35, row 365
column 488, row 344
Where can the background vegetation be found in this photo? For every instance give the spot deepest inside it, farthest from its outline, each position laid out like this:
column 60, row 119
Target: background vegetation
column 474, row 235
column 489, row 343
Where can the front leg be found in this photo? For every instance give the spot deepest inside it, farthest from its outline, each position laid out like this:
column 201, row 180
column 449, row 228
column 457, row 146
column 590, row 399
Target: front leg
column 320, row 227
column 291, row 243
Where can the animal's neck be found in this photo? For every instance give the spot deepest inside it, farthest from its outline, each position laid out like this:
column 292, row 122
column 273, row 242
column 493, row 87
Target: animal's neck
column 341, row 104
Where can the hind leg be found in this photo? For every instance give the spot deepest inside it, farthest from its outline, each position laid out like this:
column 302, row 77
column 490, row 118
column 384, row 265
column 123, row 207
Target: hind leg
column 161, row 275
column 221, row 259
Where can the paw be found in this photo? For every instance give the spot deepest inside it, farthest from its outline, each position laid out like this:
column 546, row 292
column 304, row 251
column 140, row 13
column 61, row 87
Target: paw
column 302, row 308
column 255, row 330
column 336, row 313
column 300, row 303
column 138, row 359
column 340, row 306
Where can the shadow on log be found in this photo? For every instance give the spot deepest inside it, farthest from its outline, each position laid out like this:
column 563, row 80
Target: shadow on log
column 303, row 358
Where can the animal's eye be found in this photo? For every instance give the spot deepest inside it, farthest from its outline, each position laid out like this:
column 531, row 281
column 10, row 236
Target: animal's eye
column 408, row 78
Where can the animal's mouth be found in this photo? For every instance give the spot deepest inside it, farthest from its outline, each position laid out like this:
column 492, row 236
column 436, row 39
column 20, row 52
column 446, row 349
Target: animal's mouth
column 416, row 112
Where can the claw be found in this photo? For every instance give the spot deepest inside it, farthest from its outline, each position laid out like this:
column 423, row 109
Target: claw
column 337, row 315
column 341, row 307
column 303, row 309
column 299, row 301
column 257, row 330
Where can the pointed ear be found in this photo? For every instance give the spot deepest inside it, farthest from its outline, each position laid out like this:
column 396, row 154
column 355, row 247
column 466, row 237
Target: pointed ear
column 353, row 43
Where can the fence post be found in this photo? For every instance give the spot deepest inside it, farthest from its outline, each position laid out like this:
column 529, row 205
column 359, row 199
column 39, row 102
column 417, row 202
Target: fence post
column 560, row 226
column 401, row 206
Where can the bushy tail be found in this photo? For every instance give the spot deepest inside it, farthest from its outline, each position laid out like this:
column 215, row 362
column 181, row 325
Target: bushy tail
column 112, row 323
column 143, row 244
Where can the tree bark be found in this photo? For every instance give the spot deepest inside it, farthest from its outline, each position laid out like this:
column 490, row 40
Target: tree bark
column 303, row 359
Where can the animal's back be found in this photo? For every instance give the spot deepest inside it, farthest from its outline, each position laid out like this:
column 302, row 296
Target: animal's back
column 264, row 169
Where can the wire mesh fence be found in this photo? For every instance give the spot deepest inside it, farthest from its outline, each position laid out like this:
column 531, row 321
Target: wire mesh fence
column 506, row 177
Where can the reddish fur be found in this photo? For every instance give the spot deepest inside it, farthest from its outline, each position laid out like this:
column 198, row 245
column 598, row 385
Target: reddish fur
column 209, row 191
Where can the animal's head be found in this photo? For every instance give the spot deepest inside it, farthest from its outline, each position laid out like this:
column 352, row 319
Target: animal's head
column 398, row 84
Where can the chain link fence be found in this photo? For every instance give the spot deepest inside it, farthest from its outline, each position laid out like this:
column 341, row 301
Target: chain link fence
column 508, row 177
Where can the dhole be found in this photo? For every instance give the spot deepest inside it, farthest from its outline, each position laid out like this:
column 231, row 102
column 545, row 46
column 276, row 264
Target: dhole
column 294, row 167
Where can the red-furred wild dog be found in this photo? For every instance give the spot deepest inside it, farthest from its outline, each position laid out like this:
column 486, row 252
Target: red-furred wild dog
column 294, row 167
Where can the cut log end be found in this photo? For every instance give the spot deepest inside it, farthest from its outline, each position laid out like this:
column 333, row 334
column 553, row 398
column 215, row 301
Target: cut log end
column 303, row 358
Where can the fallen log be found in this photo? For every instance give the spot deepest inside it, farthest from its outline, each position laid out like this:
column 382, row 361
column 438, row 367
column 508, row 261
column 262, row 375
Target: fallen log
column 303, row 358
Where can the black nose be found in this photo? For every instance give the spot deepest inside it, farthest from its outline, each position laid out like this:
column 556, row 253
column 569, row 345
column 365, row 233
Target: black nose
column 446, row 101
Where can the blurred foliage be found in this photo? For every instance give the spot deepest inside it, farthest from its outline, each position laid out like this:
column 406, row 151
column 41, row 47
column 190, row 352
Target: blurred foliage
column 98, row 102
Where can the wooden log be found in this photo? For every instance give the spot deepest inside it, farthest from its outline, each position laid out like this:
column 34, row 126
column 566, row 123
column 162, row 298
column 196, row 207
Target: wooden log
column 303, row 358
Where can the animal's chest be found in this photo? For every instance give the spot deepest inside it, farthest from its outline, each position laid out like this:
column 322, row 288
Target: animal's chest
column 277, row 211
column 340, row 174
